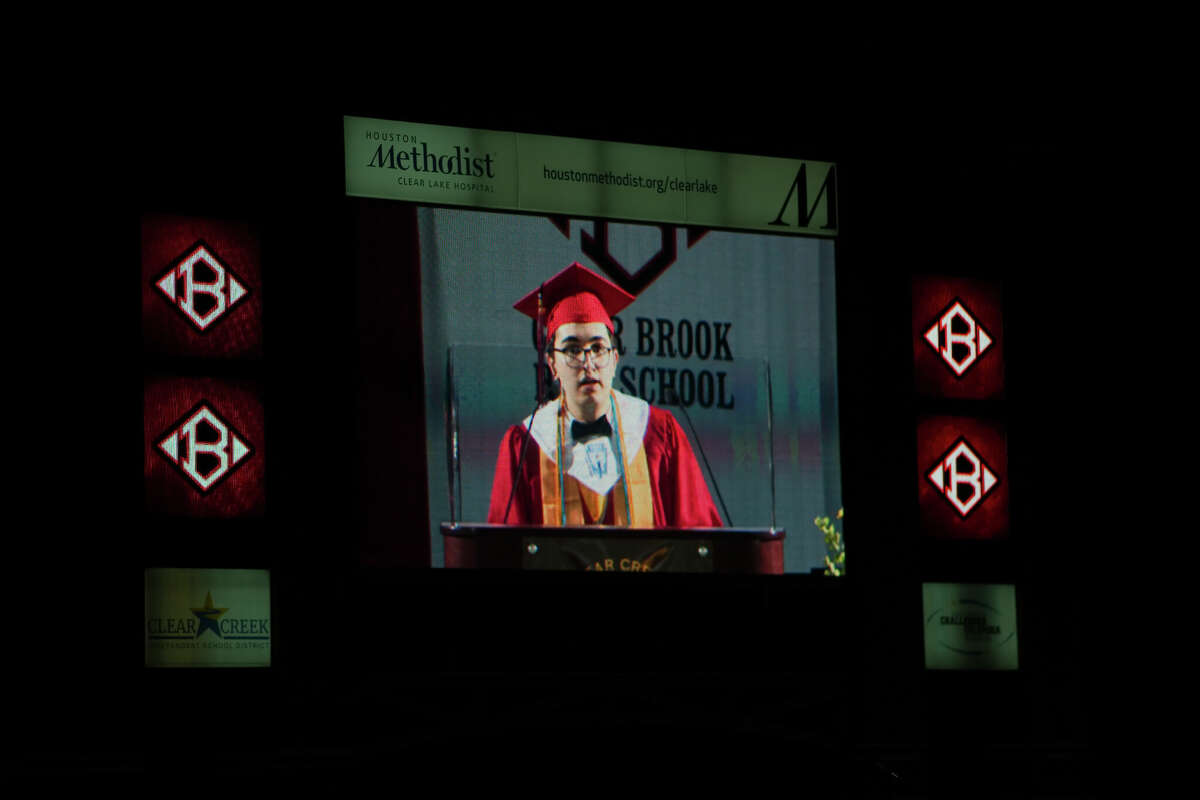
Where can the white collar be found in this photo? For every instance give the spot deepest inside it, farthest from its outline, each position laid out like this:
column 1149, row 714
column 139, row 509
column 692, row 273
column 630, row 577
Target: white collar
column 635, row 416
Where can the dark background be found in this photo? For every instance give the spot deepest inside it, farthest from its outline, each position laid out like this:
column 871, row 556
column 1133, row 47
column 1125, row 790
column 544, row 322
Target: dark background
column 409, row 670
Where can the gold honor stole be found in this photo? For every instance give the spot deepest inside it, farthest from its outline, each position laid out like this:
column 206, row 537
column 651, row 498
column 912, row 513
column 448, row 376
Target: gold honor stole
column 564, row 497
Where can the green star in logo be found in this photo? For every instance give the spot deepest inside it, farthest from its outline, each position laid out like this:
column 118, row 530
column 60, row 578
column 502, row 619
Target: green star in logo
column 208, row 616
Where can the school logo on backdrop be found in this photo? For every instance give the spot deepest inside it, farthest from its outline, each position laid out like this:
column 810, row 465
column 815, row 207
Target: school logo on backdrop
column 630, row 277
column 201, row 286
column 958, row 338
column 633, row 280
column 962, row 477
column 204, row 447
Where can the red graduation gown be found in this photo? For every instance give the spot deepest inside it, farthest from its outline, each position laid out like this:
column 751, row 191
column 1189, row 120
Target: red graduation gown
column 680, row 496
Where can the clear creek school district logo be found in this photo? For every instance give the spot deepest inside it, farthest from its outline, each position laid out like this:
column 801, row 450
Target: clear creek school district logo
column 201, row 286
column 209, row 619
column 203, row 447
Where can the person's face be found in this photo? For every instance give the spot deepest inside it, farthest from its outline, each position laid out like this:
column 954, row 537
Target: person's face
column 585, row 387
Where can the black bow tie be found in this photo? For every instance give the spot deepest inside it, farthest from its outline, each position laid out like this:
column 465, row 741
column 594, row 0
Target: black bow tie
column 586, row 430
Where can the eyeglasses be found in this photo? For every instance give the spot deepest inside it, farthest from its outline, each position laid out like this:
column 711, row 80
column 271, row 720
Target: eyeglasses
column 577, row 355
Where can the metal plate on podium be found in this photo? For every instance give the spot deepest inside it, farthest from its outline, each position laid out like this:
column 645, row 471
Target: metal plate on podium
column 608, row 549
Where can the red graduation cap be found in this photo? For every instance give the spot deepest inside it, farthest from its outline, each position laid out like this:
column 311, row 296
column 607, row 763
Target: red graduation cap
column 575, row 295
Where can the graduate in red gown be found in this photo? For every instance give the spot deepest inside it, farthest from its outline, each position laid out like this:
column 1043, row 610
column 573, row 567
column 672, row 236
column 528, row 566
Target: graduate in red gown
column 594, row 456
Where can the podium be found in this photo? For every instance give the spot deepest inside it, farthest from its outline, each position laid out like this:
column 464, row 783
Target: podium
column 600, row 548
column 488, row 390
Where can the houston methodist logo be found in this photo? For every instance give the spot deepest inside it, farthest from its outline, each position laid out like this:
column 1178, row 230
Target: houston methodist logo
column 201, row 286
column 962, row 477
column 958, row 338
column 203, row 447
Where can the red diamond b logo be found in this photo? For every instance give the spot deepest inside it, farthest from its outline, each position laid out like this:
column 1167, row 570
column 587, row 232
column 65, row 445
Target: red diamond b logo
column 962, row 477
column 958, row 338
column 203, row 447
column 201, row 286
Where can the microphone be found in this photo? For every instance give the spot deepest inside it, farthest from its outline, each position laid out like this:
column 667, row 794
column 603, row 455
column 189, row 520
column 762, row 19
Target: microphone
column 671, row 397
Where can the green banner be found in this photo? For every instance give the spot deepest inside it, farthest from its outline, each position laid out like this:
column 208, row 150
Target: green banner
column 442, row 165
column 208, row 618
column 970, row 626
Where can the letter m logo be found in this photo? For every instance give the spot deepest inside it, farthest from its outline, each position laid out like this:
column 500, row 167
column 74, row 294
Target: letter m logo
column 824, row 199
